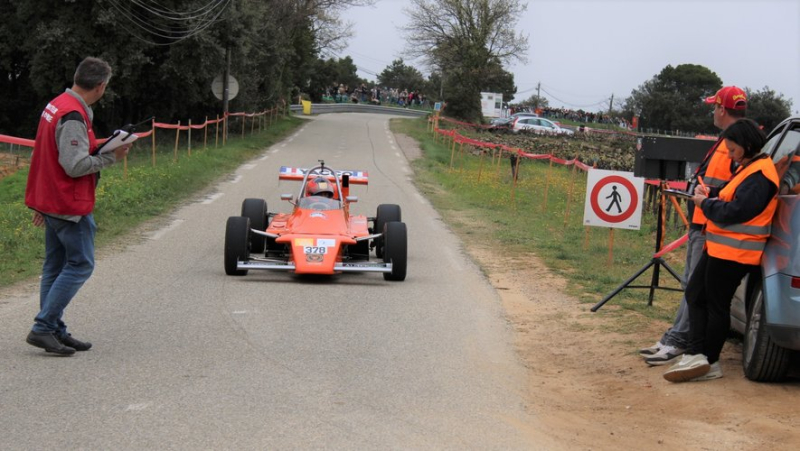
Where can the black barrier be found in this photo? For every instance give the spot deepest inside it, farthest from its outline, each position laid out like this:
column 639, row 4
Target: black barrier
column 668, row 157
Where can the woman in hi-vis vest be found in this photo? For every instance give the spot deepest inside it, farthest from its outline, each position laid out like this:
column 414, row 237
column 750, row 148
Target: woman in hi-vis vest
column 739, row 218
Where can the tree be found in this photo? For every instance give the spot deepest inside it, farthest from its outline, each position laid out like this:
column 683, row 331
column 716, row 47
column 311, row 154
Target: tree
column 400, row 76
column 767, row 108
column 497, row 79
column 535, row 101
column 673, row 99
column 164, row 55
column 464, row 40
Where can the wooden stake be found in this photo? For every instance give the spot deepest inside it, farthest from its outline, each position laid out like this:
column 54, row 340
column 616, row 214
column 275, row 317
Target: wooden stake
column 177, row 136
column 205, row 134
column 190, row 137
column 480, row 166
column 547, row 186
column 154, row 142
column 216, row 133
column 569, row 197
column 610, row 247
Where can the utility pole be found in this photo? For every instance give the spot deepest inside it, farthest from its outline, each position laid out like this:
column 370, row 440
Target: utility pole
column 225, row 90
column 538, row 98
column 611, row 104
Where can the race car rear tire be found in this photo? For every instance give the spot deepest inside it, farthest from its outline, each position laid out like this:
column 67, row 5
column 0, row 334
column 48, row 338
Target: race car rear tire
column 237, row 235
column 256, row 211
column 386, row 213
column 395, row 250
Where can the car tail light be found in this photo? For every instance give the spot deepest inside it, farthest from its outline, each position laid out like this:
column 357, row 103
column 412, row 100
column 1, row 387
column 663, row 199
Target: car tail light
column 796, row 282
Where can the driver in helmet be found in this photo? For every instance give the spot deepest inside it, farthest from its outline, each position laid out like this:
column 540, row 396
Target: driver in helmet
column 320, row 186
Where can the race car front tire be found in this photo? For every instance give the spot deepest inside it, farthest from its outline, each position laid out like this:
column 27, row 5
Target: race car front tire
column 386, row 213
column 256, row 211
column 237, row 235
column 395, row 250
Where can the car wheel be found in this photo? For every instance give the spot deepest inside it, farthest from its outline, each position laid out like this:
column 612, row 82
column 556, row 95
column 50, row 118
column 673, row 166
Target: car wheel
column 237, row 234
column 386, row 213
column 395, row 250
column 256, row 211
column 762, row 360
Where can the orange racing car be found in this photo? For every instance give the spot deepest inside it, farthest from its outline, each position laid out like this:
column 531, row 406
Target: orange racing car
column 319, row 235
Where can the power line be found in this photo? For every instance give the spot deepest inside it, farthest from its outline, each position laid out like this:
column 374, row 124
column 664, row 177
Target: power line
column 572, row 104
column 173, row 26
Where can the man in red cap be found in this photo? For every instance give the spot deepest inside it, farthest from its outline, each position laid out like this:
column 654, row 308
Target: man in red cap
column 730, row 104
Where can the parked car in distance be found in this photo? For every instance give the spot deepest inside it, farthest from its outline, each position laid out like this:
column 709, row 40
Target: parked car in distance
column 539, row 125
column 510, row 119
column 766, row 308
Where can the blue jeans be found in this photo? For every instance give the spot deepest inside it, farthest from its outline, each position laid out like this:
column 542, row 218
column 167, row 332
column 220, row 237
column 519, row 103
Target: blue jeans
column 678, row 334
column 68, row 263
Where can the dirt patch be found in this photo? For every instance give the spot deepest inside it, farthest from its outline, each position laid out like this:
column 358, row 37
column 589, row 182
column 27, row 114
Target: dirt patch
column 588, row 389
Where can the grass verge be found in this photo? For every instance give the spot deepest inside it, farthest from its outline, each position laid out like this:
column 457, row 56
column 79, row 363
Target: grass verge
column 542, row 215
column 125, row 201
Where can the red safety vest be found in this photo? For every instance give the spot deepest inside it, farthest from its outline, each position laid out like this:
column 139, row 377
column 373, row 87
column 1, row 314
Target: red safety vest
column 717, row 173
column 743, row 243
column 50, row 190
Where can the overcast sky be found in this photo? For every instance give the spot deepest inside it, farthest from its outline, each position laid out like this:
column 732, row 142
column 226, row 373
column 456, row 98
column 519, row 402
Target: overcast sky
column 583, row 51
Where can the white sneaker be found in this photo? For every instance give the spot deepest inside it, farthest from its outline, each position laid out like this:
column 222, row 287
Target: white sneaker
column 665, row 355
column 646, row 352
column 714, row 373
column 689, row 367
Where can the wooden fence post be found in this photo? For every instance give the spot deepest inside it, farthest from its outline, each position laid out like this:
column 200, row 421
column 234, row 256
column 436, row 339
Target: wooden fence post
column 154, row 142
column 177, row 136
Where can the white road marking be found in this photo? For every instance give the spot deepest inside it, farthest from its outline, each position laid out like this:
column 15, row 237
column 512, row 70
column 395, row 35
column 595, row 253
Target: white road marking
column 248, row 166
column 239, row 312
column 137, row 407
column 212, row 198
column 162, row 232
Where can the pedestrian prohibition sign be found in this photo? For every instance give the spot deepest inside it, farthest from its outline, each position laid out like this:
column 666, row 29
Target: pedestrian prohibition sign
column 613, row 199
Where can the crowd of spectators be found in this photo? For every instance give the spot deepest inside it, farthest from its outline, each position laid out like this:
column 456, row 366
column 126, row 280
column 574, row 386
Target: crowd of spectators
column 375, row 95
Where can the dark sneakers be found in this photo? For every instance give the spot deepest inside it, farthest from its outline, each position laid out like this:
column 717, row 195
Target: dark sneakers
column 49, row 342
column 75, row 344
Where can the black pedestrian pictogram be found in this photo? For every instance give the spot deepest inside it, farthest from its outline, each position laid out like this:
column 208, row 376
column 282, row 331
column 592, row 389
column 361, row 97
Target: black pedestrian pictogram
column 615, row 198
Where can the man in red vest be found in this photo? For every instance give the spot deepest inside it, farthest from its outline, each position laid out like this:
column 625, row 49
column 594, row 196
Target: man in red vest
column 61, row 192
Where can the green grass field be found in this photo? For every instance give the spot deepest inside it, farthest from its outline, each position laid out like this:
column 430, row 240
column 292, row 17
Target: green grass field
column 543, row 215
column 127, row 200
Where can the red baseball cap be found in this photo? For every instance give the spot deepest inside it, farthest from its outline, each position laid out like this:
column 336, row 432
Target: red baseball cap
column 729, row 97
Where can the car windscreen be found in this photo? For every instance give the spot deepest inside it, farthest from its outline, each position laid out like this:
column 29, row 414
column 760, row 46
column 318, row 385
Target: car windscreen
column 318, row 203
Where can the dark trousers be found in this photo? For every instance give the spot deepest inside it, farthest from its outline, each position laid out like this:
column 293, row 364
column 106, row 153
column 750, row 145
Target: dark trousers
column 708, row 294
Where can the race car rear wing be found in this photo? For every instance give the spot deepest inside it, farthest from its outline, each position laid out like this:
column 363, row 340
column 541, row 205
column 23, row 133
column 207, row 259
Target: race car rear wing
column 356, row 177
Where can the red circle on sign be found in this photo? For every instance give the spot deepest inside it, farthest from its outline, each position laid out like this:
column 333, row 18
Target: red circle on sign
column 625, row 214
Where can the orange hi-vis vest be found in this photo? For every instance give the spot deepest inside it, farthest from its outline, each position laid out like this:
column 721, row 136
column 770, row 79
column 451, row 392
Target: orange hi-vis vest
column 743, row 243
column 717, row 173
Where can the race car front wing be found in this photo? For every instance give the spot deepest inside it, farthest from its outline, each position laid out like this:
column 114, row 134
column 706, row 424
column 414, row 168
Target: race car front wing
column 338, row 267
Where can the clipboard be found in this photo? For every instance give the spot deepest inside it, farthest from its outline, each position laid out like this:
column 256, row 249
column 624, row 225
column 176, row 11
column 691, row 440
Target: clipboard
column 678, row 193
column 117, row 139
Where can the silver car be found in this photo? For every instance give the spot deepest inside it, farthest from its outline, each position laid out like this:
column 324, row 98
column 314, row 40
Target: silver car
column 539, row 125
column 766, row 309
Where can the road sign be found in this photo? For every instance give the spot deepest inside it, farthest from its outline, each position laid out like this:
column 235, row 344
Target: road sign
column 613, row 199
column 216, row 87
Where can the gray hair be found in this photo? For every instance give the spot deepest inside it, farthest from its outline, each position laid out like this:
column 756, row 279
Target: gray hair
column 91, row 73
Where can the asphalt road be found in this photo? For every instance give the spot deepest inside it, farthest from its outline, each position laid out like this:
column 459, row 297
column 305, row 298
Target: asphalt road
column 186, row 357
